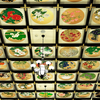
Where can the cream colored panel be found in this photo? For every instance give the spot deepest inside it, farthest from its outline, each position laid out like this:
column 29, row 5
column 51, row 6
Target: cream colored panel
column 91, row 22
column 64, row 97
column 15, row 2
column 81, row 68
column 78, row 41
column 73, row 79
column 36, row 56
column 47, row 2
column 2, row 55
column 31, row 79
column 76, row 56
column 58, row 68
column 11, row 56
column 84, row 97
column 24, row 89
column 83, row 22
column 36, row 36
column 79, row 79
column 44, row 97
column 85, row 56
column 69, row 2
column 31, row 22
column 26, row 97
column 7, row 41
column 41, row 86
column 23, row 22
column 8, row 97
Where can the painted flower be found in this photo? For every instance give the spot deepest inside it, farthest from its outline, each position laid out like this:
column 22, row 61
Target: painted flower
column 90, row 66
column 63, row 34
column 23, row 77
column 62, row 16
column 17, row 50
column 95, row 49
column 72, row 13
column 40, row 19
column 61, row 94
column 66, row 38
column 38, row 14
column 99, row 13
column 96, row 17
column 71, row 33
column 5, row 18
column 16, row 17
column 10, row 13
column 77, row 11
column 68, row 22
column 72, row 39
column 76, row 19
column 85, row 63
column 46, row 15
column 68, row 11
column 72, row 20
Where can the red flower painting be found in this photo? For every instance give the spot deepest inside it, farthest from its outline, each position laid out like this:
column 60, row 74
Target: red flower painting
column 16, row 17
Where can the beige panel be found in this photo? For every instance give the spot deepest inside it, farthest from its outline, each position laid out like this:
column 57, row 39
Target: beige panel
column 36, row 36
column 64, row 97
column 23, row 22
column 96, row 1
column 7, row 68
column 48, row 2
column 91, row 22
column 9, row 89
column 36, row 56
column 11, row 56
column 78, row 41
column 13, row 68
column 87, row 39
column 84, row 97
column 83, row 22
column 3, row 54
column 46, row 97
column 24, row 89
column 58, row 68
column 40, row 86
column 26, row 97
column 81, row 68
column 84, row 88
column 87, row 80
column 73, row 79
column 10, row 79
column 65, row 89
column 80, row 2
column 85, row 56
column 7, row 41
column 76, row 56
column 15, row 2
column 31, row 79
column 31, row 22
column 9, row 97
